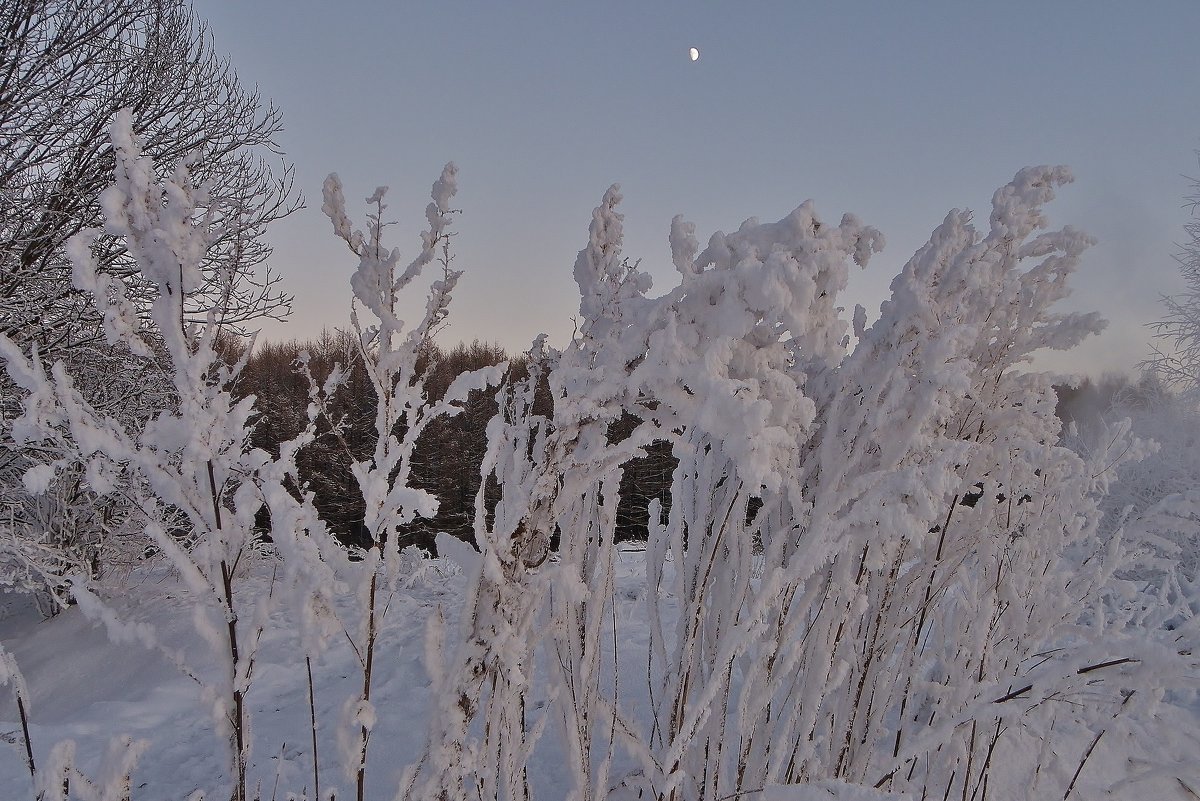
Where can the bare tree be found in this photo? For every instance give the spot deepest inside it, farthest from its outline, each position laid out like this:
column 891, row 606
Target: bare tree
column 66, row 68
column 1178, row 361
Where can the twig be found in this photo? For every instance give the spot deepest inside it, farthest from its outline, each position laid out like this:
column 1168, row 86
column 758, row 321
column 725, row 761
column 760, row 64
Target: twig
column 312, row 715
column 28, row 743
column 1088, row 669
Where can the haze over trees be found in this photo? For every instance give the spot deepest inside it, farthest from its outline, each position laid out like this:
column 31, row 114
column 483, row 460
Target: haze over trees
column 872, row 562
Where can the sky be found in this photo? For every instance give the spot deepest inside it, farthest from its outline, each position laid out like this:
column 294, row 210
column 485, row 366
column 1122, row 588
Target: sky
column 896, row 112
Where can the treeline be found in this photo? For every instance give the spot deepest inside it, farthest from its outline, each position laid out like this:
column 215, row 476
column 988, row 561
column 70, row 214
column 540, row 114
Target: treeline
column 448, row 454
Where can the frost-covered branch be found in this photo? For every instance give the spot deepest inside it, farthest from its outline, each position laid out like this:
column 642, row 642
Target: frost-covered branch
column 391, row 357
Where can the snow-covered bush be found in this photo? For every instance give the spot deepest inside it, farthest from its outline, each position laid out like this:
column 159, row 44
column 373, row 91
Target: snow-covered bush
column 47, row 535
column 390, row 356
column 190, row 462
column 878, row 566
column 486, row 671
column 1177, row 360
column 61, row 527
column 1150, row 496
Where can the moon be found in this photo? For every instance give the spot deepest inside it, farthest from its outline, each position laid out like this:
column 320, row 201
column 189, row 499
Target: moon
column 693, row 54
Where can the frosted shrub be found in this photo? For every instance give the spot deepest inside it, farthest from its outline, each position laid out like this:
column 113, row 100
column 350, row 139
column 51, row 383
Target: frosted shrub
column 937, row 614
column 188, row 469
column 557, row 475
column 1172, row 419
column 893, row 629
column 486, row 670
column 52, row 524
column 390, row 355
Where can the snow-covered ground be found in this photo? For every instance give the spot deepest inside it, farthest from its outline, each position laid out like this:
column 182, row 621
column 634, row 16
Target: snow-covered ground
column 86, row 689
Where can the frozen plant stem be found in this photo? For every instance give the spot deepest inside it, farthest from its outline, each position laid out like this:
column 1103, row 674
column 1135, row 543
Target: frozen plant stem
column 28, row 743
column 392, row 357
column 239, row 733
column 368, row 665
column 312, row 716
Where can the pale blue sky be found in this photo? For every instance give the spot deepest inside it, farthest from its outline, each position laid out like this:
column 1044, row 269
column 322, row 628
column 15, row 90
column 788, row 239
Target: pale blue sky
column 894, row 111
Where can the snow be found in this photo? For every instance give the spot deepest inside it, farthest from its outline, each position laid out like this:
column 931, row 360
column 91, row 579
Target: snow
column 86, row 688
column 826, row 791
column 38, row 478
column 458, row 552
